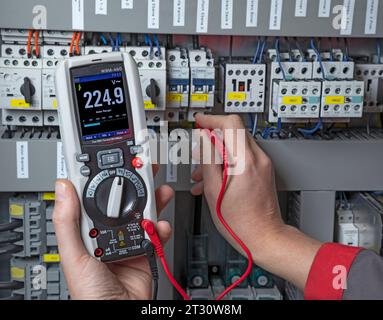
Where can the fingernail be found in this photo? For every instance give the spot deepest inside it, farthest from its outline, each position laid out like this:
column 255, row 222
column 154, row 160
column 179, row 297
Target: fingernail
column 60, row 190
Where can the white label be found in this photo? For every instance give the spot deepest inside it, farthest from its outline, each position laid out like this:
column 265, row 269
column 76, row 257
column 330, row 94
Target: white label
column 78, row 14
column 301, row 8
column 202, row 16
column 22, row 162
column 226, row 14
column 324, row 8
column 171, row 169
column 101, row 7
column 126, row 4
column 153, row 14
column 347, row 17
column 179, row 13
column 276, row 14
column 60, row 167
column 252, row 13
column 371, row 16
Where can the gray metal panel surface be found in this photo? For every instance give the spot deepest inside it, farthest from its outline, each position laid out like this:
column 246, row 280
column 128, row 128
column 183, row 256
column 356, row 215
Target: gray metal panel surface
column 352, row 165
column 19, row 14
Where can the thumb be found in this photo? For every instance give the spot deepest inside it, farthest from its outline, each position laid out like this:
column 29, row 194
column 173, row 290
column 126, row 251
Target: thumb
column 66, row 219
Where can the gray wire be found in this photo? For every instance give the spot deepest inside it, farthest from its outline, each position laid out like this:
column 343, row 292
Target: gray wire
column 10, row 225
column 10, row 249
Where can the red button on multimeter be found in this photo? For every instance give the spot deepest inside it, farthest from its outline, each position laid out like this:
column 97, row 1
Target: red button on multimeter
column 137, row 163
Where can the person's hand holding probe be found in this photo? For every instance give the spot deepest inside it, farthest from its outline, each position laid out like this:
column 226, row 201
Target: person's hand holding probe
column 250, row 205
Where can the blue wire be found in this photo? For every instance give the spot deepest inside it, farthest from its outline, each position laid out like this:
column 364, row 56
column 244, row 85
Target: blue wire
column 157, row 45
column 300, row 50
column 346, row 56
column 266, row 133
column 118, row 41
column 251, row 120
column 149, row 42
column 310, row 132
column 319, row 58
column 255, row 59
column 379, row 50
column 103, row 39
column 262, row 51
column 112, row 41
column 279, row 58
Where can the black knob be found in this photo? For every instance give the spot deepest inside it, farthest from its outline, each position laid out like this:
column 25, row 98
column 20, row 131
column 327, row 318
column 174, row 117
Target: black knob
column 153, row 91
column 27, row 90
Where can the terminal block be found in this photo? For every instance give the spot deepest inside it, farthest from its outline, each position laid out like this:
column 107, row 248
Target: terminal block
column 30, row 212
column 198, row 270
column 297, row 99
column 152, row 70
column 342, row 99
column 236, row 266
column 30, row 274
column 178, row 74
column 202, row 79
column 243, row 87
column 260, row 278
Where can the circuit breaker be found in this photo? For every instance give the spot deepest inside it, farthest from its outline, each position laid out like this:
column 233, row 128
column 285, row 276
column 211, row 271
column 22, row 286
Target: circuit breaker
column 243, row 87
column 178, row 77
column 342, row 99
column 152, row 69
column 202, row 79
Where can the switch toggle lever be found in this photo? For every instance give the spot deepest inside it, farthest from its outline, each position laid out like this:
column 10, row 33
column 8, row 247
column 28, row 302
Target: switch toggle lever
column 115, row 197
column 27, row 90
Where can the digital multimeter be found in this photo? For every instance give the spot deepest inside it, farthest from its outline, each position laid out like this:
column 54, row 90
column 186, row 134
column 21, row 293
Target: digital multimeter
column 102, row 125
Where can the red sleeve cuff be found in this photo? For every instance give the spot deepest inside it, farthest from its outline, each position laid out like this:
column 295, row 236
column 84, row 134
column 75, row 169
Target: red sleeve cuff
column 328, row 274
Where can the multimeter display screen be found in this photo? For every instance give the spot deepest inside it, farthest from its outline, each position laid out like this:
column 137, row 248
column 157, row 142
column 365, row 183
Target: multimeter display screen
column 102, row 105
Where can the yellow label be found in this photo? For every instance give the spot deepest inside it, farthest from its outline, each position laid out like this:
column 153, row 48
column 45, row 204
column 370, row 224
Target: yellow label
column 149, row 105
column 335, row 100
column 17, row 273
column 292, row 100
column 55, row 103
column 237, row 96
column 51, row 258
column 16, row 210
column 199, row 97
column 19, row 103
column 49, row 196
column 174, row 97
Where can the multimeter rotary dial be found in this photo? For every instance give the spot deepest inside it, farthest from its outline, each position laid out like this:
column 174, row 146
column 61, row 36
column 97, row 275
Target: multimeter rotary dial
column 114, row 194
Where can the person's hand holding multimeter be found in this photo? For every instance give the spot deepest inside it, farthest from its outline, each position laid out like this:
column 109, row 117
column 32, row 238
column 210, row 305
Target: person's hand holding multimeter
column 98, row 214
column 102, row 124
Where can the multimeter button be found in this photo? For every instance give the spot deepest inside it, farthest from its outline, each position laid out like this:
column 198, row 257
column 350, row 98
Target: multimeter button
column 93, row 233
column 137, row 163
column 85, row 171
column 110, row 159
column 136, row 149
column 98, row 252
column 84, row 157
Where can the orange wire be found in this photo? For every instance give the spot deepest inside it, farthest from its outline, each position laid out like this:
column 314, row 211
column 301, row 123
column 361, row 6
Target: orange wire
column 37, row 50
column 78, row 43
column 72, row 43
column 30, row 35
